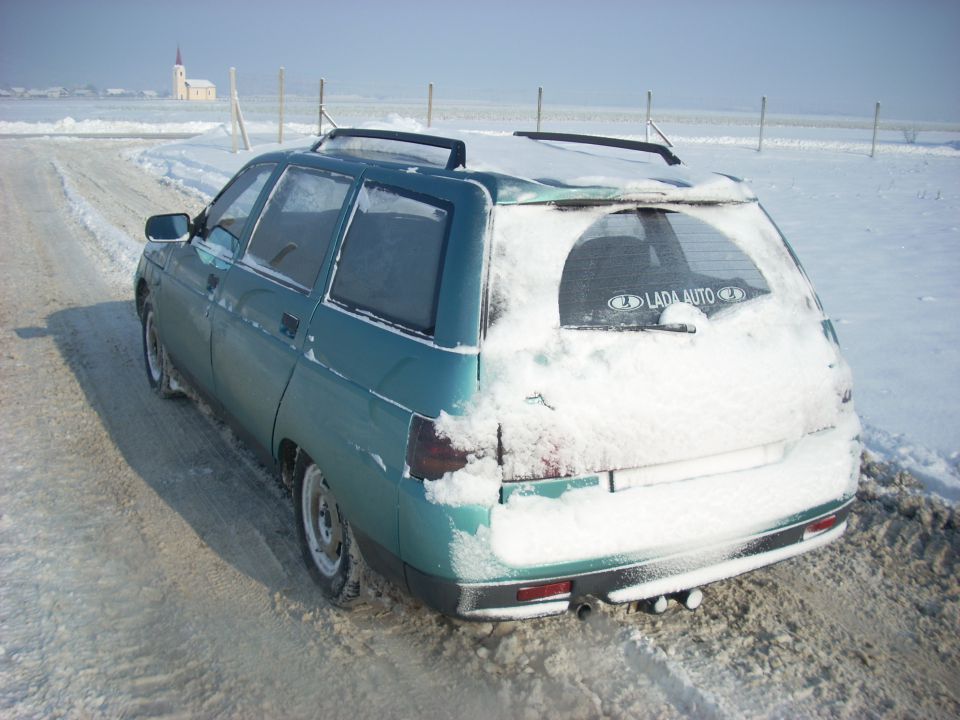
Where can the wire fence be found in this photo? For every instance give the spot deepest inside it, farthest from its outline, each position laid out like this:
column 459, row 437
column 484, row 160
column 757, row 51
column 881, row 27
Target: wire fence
column 356, row 96
column 311, row 106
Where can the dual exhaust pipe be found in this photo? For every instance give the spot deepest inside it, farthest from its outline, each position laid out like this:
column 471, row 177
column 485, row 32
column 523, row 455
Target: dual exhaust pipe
column 690, row 599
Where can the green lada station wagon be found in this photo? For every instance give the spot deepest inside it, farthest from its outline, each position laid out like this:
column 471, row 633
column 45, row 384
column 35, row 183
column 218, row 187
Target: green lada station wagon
column 515, row 375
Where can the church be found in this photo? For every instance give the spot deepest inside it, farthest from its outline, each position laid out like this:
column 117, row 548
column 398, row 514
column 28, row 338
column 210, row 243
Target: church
column 187, row 89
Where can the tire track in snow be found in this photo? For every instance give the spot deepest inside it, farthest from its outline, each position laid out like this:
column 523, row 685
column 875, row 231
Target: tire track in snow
column 646, row 657
column 121, row 252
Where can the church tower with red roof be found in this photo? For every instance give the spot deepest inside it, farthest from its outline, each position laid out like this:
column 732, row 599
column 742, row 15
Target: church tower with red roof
column 179, row 78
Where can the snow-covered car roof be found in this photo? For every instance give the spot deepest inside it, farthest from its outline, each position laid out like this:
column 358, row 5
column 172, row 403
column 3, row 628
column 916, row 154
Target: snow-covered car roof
column 524, row 170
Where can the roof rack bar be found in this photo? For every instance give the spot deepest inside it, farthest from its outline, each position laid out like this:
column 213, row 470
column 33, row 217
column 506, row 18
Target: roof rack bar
column 660, row 150
column 457, row 148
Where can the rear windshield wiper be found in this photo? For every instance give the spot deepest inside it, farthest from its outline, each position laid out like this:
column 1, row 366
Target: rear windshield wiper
column 669, row 327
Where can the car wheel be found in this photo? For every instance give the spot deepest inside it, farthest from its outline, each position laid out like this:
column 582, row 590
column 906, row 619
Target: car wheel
column 326, row 538
column 155, row 355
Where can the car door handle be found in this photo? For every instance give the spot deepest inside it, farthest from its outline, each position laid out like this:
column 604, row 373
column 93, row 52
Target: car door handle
column 289, row 325
column 212, row 282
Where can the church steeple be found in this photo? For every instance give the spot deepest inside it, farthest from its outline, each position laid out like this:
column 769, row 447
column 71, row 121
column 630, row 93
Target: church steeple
column 179, row 78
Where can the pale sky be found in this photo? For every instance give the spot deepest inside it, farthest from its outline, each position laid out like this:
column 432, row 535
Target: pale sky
column 814, row 56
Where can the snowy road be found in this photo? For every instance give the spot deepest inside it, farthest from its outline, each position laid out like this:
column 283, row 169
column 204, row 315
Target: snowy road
column 148, row 566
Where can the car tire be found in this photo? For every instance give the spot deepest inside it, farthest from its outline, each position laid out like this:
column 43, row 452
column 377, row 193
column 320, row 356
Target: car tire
column 155, row 356
column 326, row 538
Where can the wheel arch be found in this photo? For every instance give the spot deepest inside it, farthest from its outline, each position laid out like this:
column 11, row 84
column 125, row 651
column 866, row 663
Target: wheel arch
column 288, row 453
column 142, row 292
column 293, row 458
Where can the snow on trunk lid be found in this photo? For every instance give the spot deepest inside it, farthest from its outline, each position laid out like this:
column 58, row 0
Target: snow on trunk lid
column 582, row 369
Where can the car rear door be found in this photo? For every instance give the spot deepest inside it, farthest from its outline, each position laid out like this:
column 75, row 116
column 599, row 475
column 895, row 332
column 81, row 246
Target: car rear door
column 195, row 270
column 268, row 296
column 396, row 333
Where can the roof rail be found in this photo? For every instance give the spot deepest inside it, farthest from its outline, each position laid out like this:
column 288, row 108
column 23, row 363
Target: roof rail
column 457, row 148
column 660, row 150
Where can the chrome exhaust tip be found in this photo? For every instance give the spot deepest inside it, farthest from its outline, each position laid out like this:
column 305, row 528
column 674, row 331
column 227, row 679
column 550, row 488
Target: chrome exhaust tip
column 690, row 599
column 656, row 606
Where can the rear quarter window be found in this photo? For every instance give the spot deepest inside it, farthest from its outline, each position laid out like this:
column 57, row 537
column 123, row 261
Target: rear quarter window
column 628, row 266
column 392, row 256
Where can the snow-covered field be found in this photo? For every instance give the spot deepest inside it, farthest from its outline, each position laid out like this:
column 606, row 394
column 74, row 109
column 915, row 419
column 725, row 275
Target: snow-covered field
column 147, row 566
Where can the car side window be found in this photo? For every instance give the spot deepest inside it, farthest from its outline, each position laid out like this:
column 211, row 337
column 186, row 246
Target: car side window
column 227, row 216
column 296, row 227
column 392, row 256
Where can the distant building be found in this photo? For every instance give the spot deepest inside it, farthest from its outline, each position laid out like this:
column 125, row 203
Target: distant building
column 115, row 92
column 149, row 94
column 190, row 89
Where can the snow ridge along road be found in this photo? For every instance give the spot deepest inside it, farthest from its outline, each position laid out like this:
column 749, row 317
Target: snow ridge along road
column 148, row 566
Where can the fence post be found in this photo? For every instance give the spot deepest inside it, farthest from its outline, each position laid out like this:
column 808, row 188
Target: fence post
column 876, row 123
column 237, row 112
column 430, row 105
column 243, row 126
column 280, row 131
column 646, row 125
column 320, row 113
column 763, row 118
column 233, row 108
column 539, row 106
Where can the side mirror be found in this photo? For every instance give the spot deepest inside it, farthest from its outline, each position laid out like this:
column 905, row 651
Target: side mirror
column 168, row 228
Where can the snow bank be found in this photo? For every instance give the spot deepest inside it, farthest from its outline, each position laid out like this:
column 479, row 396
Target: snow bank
column 941, row 475
column 861, row 148
column 206, row 163
column 68, row 125
column 120, row 250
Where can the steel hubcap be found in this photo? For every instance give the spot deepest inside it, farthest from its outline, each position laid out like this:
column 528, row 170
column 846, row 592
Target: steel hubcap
column 322, row 522
column 153, row 349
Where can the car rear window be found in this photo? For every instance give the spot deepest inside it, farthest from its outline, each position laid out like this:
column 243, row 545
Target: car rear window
column 391, row 258
column 628, row 266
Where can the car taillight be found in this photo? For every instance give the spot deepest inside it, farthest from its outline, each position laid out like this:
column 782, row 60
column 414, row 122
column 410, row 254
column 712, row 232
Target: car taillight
column 822, row 525
column 430, row 456
column 539, row 592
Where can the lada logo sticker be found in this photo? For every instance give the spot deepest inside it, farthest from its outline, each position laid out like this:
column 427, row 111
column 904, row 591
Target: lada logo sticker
column 625, row 302
column 731, row 294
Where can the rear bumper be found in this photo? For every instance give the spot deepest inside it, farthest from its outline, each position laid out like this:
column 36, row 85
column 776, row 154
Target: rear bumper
column 639, row 581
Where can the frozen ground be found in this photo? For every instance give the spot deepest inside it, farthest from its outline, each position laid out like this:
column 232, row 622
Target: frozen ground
column 149, row 568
